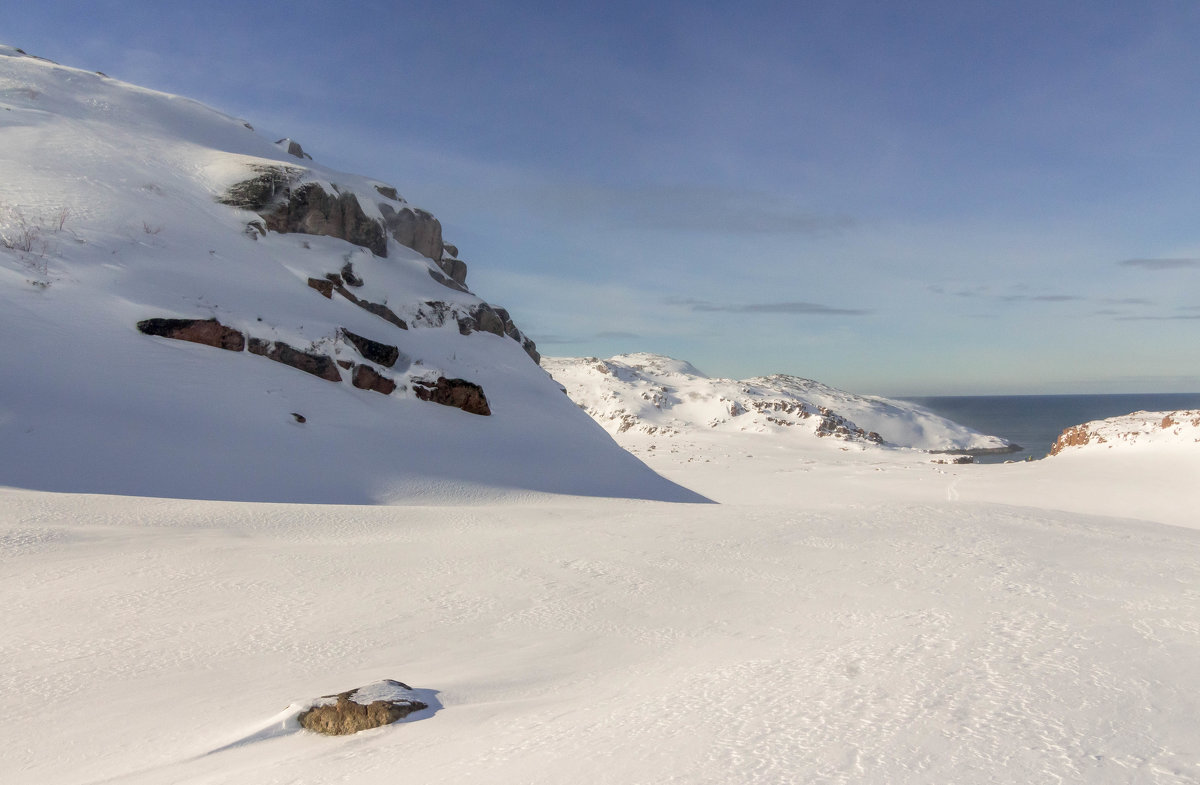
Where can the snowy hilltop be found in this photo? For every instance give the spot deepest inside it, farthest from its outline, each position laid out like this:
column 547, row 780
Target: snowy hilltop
column 1136, row 430
column 193, row 310
column 647, row 398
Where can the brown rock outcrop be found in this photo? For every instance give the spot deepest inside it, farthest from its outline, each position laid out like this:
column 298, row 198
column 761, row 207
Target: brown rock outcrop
column 310, row 210
column 381, row 353
column 318, row 365
column 458, row 393
column 367, row 378
column 209, row 332
column 414, row 228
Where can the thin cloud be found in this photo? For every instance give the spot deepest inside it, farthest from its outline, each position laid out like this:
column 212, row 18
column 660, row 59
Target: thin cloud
column 1040, row 298
column 1174, row 318
column 1161, row 264
column 617, row 334
column 794, row 308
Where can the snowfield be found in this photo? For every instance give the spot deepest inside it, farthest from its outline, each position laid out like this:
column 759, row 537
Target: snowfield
column 839, row 618
column 843, row 613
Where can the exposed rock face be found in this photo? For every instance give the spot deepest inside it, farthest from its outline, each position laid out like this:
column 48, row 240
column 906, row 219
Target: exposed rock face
column 1178, row 427
column 455, row 268
column 322, row 285
column 294, row 148
column 367, row 378
column 271, row 183
column 458, row 393
column 380, row 353
column 318, row 365
column 363, row 708
column 388, row 192
column 209, row 332
column 310, row 210
column 414, row 228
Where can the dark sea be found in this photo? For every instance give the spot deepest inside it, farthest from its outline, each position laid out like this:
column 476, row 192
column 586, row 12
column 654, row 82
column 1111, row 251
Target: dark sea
column 1035, row 421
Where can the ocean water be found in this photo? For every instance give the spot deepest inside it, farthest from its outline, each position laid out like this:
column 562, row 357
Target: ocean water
column 1035, row 421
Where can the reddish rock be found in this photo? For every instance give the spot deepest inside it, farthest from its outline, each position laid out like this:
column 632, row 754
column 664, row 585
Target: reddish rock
column 458, row 393
column 209, row 332
column 367, row 378
column 380, row 353
column 322, row 286
column 319, row 365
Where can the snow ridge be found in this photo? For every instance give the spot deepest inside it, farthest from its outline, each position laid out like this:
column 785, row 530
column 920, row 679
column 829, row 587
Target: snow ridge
column 640, row 396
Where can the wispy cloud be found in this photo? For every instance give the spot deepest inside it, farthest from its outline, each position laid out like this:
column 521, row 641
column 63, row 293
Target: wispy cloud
column 1172, row 318
column 1161, row 264
column 617, row 334
column 1040, row 298
column 796, row 308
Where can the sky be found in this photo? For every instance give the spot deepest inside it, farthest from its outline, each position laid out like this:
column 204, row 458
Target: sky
column 915, row 198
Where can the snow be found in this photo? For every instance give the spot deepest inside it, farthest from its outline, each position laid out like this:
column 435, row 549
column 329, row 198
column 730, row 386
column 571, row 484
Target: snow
column 88, row 404
column 845, row 613
column 649, row 401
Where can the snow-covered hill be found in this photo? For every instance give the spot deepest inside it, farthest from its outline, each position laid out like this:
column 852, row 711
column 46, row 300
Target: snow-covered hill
column 189, row 309
column 1136, row 430
column 647, row 400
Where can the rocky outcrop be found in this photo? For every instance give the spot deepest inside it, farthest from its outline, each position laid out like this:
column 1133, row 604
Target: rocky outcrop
column 319, row 365
column 362, row 708
column 1177, row 427
column 310, row 210
column 294, row 148
column 367, row 378
column 379, row 353
column 458, row 393
column 209, row 332
column 454, row 268
column 270, row 183
column 414, row 228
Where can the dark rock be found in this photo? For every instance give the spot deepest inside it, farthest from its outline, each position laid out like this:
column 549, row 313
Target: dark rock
column 367, row 378
column 349, row 277
column 256, row 193
column 323, row 286
column 319, row 365
column 360, row 709
column 414, row 228
column 446, row 281
column 334, row 278
column 345, row 364
column 380, row 310
column 456, row 269
column 294, row 148
column 380, row 353
column 209, row 332
column 451, row 250
column 388, row 192
column 458, row 393
column 310, row 210
column 300, row 418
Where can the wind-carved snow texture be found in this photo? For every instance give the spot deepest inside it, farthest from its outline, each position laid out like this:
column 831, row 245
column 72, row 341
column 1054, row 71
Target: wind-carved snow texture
column 899, row 641
column 111, row 216
column 648, row 401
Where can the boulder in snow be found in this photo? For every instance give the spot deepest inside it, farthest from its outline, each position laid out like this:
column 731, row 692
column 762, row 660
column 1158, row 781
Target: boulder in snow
column 362, row 708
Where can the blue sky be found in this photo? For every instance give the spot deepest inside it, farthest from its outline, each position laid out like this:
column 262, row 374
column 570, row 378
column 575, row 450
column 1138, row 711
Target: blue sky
column 903, row 198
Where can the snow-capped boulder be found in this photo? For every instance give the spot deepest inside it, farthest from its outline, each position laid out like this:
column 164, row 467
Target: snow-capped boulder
column 1136, row 430
column 361, row 708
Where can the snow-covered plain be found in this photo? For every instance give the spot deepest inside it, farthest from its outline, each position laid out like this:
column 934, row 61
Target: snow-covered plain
column 840, row 617
column 842, row 614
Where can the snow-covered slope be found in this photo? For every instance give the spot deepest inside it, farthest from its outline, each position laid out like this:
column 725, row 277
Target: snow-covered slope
column 645, row 398
column 1137, row 430
column 120, row 206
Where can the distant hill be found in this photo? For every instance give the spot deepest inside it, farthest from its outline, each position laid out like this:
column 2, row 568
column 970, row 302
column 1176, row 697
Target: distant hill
column 648, row 398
